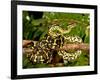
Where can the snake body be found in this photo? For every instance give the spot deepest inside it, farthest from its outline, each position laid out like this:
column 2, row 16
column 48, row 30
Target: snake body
column 44, row 49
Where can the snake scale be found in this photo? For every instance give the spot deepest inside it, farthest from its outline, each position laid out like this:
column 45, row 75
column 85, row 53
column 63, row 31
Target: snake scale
column 45, row 49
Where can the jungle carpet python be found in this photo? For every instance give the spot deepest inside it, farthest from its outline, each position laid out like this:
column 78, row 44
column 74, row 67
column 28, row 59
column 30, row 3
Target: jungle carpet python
column 45, row 50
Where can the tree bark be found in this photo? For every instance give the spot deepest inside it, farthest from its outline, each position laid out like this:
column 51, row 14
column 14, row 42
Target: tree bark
column 80, row 46
column 26, row 42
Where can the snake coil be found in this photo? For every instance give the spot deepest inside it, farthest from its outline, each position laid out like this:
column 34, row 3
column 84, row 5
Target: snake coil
column 44, row 50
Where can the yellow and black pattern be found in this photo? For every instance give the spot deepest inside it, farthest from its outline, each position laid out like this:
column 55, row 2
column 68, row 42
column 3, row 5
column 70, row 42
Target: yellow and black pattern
column 45, row 49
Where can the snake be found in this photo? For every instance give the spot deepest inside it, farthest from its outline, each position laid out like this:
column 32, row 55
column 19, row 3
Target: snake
column 44, row 49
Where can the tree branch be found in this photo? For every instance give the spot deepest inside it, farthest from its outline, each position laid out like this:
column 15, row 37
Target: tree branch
column 80, row 46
